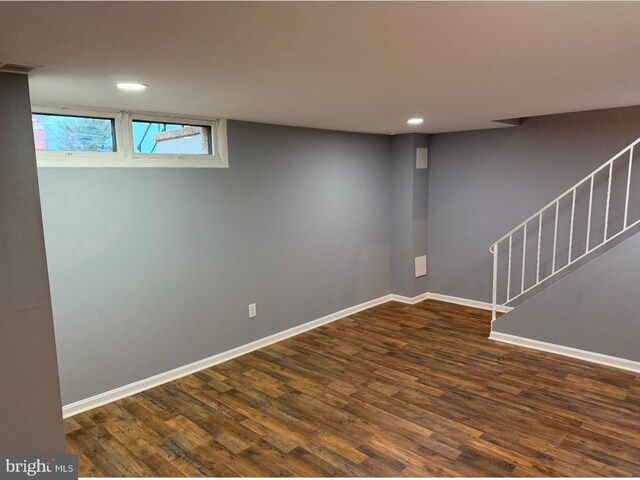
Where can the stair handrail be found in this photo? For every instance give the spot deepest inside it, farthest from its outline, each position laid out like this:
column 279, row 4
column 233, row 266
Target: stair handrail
column 523, row 226
column 563, row 194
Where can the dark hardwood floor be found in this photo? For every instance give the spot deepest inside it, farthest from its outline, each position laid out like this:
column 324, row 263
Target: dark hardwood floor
column 396, row 390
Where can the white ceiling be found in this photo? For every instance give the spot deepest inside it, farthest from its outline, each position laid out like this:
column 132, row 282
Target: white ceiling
column 347, row 66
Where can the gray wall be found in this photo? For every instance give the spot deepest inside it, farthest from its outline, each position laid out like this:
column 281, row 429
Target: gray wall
column 595, row 309
column 30, row 410
column 152, row 269
column 483, row 183
column 409, row 214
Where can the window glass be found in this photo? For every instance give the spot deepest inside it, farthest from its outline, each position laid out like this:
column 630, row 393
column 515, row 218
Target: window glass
column 171, row 138
column 66, row 133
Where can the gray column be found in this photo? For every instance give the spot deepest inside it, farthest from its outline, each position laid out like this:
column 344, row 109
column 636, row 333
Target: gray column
column 30, row 407
column 409, row 222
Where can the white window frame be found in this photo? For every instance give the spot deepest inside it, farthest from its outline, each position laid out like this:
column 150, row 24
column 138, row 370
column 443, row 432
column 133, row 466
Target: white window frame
column 125, row 156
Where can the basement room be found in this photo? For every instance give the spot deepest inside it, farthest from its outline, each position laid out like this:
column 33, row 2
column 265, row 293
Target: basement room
column 319, row 239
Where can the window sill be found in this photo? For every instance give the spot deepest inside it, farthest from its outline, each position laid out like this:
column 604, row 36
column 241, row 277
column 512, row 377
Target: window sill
column 48, row 160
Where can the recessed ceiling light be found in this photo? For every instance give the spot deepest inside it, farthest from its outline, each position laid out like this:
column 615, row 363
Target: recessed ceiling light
column 415, row 121
column 132, row 87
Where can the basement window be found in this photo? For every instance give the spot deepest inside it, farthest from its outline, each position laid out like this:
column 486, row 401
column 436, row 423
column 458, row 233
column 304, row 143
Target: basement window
column 71, row 133
column 158, row 138
column 82, row 138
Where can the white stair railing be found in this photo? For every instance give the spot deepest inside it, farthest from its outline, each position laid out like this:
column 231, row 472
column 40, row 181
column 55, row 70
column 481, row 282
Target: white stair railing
column 536, row 222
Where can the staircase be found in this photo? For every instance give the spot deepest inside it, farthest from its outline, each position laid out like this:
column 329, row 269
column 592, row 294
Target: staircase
column 588, row 219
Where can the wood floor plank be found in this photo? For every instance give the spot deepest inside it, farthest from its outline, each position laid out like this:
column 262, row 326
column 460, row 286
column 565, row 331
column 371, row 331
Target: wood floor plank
column 396, row 390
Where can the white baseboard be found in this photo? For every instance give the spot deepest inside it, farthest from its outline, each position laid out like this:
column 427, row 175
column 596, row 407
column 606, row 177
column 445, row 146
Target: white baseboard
column 585, row 355
column 449, row 299
column 467, row 302
column 410, row 300
column 165, row 377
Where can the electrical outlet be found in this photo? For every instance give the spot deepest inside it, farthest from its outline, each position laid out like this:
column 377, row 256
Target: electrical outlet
column 252, row 310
